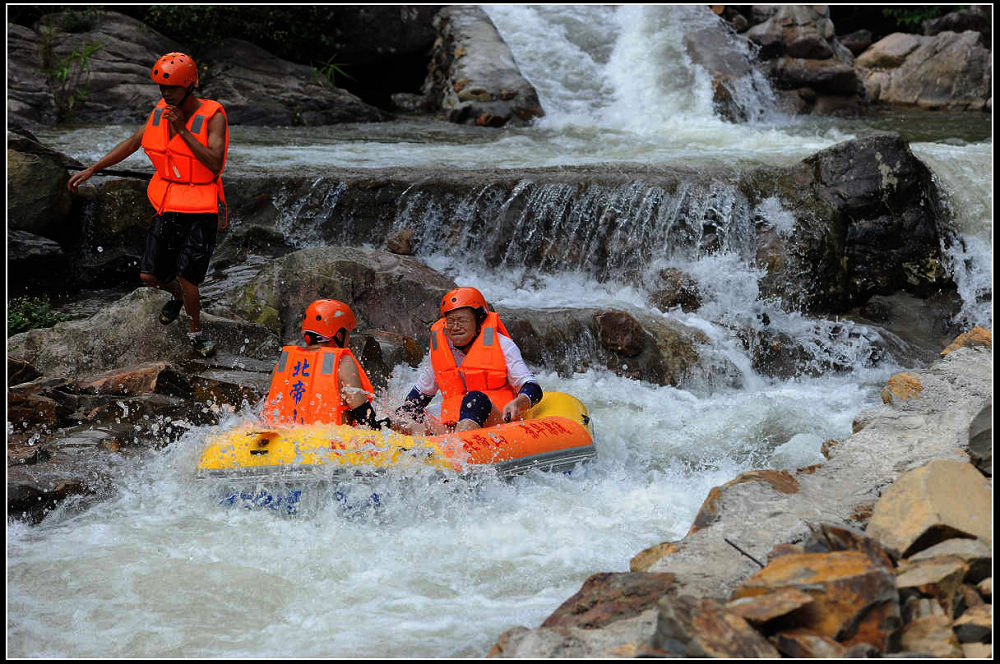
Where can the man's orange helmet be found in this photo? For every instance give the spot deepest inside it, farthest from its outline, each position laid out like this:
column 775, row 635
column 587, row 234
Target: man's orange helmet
column 324, row 319
column 465, row 296
column 175, row 69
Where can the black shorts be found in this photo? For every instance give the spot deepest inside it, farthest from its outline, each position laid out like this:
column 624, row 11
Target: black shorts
column 180, row 243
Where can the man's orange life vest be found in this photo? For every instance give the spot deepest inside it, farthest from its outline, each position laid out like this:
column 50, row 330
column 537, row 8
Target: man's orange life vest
column 305, row 387
column 181, row 182
column 483, row 369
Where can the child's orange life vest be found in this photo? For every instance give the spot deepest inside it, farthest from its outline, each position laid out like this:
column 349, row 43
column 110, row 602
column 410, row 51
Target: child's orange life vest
column 305, row 387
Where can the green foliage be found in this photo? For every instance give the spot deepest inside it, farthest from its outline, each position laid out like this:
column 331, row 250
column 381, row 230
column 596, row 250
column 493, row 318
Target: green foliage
column 27, row 313
column 329, row 71
column 66, row 77
column 912, row 16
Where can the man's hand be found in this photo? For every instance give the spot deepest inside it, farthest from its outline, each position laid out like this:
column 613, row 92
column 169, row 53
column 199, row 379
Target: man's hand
column 516, row 408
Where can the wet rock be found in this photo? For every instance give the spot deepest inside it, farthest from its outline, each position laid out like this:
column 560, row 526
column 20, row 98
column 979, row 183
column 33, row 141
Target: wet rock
column 37, row 199
column 852, row 203
column 677, row 290
column 985, row 588
column 689, row 627
column 401, row 243
column 34, row 264
column 150, row 378
column 932, row 503
column 473, row 77
column 608, row 597
column 932, row 635
column 619, row 332
column 854, row 599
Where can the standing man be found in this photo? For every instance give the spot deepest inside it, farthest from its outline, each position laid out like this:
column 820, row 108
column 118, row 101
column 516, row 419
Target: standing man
column 186, row 138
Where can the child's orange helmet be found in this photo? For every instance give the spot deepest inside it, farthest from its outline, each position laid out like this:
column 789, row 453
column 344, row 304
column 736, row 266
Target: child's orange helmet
column 175, row 69
column 324, row 319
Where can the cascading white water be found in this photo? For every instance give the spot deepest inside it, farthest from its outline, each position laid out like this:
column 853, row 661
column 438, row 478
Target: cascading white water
column 441, row 569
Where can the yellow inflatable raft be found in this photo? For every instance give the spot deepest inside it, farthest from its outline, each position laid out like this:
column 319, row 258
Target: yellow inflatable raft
column 555, row 435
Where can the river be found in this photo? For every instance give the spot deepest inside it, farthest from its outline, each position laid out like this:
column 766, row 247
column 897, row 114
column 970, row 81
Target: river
column 442, row 569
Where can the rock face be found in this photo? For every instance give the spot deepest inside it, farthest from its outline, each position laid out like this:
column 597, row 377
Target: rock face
column 254, row 86
column 257, row 88
column 386, row 291
column 950, row 70
column 473, row 77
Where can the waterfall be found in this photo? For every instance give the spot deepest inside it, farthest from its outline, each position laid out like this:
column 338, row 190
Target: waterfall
column 626, row 68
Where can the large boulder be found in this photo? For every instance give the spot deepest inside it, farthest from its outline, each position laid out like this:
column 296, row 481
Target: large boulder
column 950, row 70
column 257, row 88
column 473, row 77
column 866, row 216
column 386, row 291
column 128, row 332
column 114, row 85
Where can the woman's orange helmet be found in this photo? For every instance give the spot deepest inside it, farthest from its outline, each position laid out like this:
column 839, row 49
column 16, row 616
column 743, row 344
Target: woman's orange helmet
column 175, row 69
column 465, row 296
column 324, row 319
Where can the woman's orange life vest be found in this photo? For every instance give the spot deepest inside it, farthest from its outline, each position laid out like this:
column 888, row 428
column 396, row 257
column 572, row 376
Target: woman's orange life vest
column 181, row 182
column 484, row 368
column 305, row 387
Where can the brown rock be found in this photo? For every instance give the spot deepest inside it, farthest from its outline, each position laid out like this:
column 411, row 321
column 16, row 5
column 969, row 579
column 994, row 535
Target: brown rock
column 939, row 580
column 784, row 549
column 401, row 243
column 609, row 597
column 799, row 643
column 703, row 628
column 620, row 332
column 975, row 625
column 976, row 555
column 977, row 650
column 902, row 387
column 855, row 600
column 977, row 336
column 29, row 409
column 827, row 537
column 150, row 378
column 645, row 559
column 932, row 635
column 985, row 588
column 780, row 480
column 933, row 503
column 759, row 609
